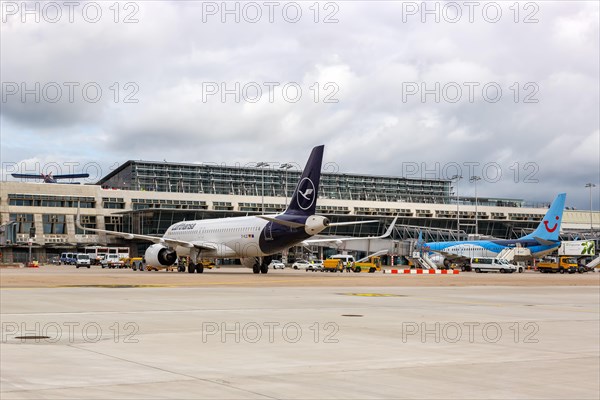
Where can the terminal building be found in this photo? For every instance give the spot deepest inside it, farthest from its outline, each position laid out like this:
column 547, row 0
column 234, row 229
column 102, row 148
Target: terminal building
column 145, row 197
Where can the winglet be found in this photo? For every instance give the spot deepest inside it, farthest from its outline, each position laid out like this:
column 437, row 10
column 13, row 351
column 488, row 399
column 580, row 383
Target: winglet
column 281, row 221
column 390, row 228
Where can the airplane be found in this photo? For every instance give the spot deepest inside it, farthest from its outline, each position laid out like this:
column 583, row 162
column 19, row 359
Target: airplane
column 251, row 238
column 543, row 240
column 49, row 178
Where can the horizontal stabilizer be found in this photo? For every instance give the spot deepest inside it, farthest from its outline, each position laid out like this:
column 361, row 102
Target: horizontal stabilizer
column 351, row 223
column 281, row 221
column 544, row 242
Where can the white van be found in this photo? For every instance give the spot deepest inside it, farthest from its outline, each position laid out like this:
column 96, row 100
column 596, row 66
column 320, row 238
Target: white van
column 82, row 260
column 481, row 264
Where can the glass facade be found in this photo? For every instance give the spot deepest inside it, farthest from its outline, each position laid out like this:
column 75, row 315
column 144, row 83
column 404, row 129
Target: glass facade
column 277, row 182
column 113, row 202
column 54, row 224
column 88, row 221
column 35, row 200
column 24, row 222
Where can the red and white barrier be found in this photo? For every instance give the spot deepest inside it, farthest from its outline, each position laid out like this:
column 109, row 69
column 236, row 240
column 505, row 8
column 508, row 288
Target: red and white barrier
column 422, row 271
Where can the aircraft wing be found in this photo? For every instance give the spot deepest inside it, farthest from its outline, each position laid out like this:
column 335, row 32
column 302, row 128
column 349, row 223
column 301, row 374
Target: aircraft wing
column 351, row 223
column 292, row 224
column 340, row 240
column 153, row 239
column 451, row 256
column 67, row 176
column 30, row 176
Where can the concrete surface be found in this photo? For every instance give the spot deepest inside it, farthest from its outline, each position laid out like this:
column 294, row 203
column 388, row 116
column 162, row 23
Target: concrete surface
column 235, row 341
column 68, row 275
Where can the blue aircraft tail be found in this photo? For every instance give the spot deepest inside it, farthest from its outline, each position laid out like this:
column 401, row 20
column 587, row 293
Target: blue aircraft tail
column 420, row 243
column 549, row 227
column 304, row 199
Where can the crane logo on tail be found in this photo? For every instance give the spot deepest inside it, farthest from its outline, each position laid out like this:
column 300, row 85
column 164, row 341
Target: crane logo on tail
column 306, row 190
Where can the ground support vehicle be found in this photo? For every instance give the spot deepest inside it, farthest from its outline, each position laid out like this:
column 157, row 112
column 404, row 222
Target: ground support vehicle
column 82, row 260
column 161, row 267
column 338, row 263
column 560, row 265
column 135, row 263
column 112, row 261
column 371, row 264
column 183, row 264
column 68, row 258
column 483, row 264
column 333, row 265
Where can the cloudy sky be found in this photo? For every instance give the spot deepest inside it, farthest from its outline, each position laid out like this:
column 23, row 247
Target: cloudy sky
column 506, row 91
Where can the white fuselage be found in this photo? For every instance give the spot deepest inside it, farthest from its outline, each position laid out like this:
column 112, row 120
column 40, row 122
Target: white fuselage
column 469, row 250
column 236, row 237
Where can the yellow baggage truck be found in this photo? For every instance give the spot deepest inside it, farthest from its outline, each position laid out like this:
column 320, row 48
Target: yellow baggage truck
column 135, row 263
column 337, row 263
column 340, row 262
column 371, row 264
column 558, row 264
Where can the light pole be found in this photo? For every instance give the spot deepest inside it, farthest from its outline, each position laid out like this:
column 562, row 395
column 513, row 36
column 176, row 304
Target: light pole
column 475, row 179
column 286, row 166
column 591, row 185
column 457, row 178
column 260, row 165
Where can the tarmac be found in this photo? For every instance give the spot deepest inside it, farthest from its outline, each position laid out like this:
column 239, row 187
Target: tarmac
column 297, row 335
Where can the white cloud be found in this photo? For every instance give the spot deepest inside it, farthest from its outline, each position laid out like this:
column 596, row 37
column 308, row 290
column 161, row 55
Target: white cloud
column 370, row 54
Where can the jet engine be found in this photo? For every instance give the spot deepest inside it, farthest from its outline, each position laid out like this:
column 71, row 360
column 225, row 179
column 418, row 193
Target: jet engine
column 157, row 254
column 249, row 262
column 315, row 224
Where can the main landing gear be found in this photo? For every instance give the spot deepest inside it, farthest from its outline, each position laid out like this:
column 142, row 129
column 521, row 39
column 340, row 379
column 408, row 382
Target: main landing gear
column 261, row 266
column 199, row 268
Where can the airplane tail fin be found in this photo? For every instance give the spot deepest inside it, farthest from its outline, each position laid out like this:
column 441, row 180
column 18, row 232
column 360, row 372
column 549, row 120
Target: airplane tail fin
column 549, row 228
column 304, row 199
column 420, row 243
